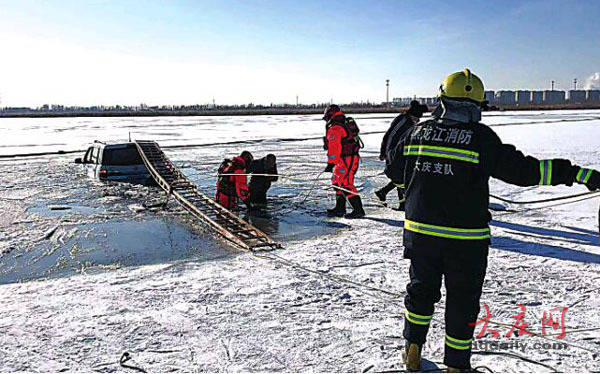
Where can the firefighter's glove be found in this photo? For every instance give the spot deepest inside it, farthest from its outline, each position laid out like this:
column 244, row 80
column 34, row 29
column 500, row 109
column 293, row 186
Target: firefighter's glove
column 328, row 168
column 589, row 177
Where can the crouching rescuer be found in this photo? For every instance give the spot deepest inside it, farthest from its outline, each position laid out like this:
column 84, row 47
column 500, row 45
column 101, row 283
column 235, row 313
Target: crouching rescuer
column 343, row 145
column 266, row 168
column 232, row 182
column 445, row 164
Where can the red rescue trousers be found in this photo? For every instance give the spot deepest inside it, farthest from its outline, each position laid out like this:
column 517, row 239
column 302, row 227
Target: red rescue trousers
column 343, row 175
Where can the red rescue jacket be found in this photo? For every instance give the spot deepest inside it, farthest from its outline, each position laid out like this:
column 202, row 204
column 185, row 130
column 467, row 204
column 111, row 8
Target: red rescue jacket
column 342, row 138
column 233, row 185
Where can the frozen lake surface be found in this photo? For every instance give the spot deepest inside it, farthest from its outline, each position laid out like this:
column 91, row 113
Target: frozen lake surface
column 87, row 273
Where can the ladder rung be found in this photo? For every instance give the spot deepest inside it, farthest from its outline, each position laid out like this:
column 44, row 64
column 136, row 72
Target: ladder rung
column 240, row 231
column 262, row 245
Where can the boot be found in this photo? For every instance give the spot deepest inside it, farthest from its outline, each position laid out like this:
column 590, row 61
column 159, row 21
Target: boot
column 340, row 207
column 357, row 208
column 411, row 356
column 382, row 193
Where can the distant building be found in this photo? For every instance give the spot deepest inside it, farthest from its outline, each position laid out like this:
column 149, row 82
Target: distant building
column 405, row 101
column 431, row 101
column 523, row 97
column 554, row 97
column 489, row 96
column 505, row 97
column 427, row 100
column 401, row 101
column 592, row 96
column 537, row 97
column 577, row 96
column 17, row 110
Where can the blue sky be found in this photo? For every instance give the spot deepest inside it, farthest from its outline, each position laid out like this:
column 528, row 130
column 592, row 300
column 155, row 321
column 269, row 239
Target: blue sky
column 121, row 51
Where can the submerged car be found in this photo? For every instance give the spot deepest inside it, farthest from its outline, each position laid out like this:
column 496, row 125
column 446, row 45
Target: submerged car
column 119, row 162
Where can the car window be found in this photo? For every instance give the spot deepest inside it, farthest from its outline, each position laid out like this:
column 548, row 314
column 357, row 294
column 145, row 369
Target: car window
column 95, row 153
column 88, row 155
column 122, row 156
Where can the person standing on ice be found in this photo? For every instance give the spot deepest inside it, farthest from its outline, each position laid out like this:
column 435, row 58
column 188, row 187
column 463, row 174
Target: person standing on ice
column 233, row 184
column 342, row 144
column 445, row 164
column 391, row 138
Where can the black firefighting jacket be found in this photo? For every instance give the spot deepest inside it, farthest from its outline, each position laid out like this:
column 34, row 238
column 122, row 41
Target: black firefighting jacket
column 259, row 185
column 393, row 134
column 445, row 164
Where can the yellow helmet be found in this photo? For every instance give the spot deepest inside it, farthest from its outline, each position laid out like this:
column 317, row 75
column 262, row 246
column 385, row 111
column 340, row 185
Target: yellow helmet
column 463, row 85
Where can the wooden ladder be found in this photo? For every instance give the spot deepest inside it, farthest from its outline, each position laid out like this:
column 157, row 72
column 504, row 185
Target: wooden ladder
column 186, row 193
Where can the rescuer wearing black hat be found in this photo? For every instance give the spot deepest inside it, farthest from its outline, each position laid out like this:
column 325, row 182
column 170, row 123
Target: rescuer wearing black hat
column 397, row 128
column 266, row 168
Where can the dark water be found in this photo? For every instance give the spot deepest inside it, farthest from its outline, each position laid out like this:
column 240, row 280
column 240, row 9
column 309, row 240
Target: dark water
column 292, row 225
column 149, row 239
column 111, row 244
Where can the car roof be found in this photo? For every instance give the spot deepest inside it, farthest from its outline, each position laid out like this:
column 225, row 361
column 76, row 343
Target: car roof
column 112, row 145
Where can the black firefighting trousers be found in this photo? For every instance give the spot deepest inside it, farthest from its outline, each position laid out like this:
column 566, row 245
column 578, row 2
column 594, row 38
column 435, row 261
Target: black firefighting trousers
column 464, row 272
column 389, row 187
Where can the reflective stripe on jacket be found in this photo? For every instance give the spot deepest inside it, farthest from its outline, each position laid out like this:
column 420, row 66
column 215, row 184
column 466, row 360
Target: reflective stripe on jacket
column 445, row 164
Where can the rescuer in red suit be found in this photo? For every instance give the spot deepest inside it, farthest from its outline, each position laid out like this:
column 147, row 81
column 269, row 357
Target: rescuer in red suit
column 342, row 144
column 230, row 188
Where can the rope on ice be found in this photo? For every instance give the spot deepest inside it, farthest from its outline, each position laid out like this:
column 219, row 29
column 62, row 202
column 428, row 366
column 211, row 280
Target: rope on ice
column 126, row 357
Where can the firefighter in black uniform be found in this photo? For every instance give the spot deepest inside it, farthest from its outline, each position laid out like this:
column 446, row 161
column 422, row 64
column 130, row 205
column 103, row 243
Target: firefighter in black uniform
column 260, row 184
column 445, row 164
column 397, row 128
